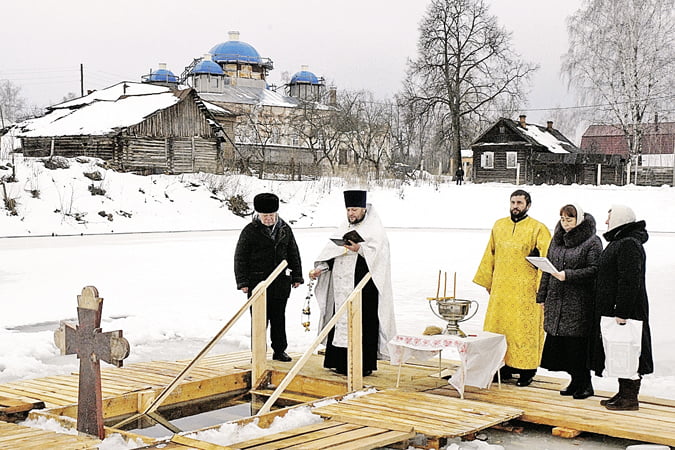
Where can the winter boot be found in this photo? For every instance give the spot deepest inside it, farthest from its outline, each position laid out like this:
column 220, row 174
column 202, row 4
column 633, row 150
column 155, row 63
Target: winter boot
column 526, row 377
column 585, row 387
column 571, row 388
column 505, row 373
column 618, row 395
column 628, row 401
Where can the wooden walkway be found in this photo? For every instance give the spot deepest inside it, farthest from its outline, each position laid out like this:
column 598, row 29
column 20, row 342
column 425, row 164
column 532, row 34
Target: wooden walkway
column 437, row 417
column 409, row 409
column 61, row 390
column 13, row 437
column 331, row 434
column 543, row 404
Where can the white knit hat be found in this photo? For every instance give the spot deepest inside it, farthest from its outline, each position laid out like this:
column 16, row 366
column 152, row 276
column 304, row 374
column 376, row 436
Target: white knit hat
column 620, row 215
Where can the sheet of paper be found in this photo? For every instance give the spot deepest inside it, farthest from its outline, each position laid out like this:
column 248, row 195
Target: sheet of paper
column 542, row 263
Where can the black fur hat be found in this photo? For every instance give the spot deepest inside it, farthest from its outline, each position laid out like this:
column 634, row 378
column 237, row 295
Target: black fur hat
column 266, row 203
column 355, row 199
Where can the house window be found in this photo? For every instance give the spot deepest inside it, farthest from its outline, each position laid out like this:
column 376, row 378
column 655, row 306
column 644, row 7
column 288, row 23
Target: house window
column 502, row 129
column 275, row 135
column 511, row 160
column 487, row 160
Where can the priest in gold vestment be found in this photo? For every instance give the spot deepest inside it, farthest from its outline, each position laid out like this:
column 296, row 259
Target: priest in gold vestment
column 512, row 283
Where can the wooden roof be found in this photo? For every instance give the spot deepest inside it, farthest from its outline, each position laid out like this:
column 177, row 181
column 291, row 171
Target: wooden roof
column 541, row 137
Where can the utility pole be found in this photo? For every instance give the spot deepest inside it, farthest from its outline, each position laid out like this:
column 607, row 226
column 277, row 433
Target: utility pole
column 81, row 80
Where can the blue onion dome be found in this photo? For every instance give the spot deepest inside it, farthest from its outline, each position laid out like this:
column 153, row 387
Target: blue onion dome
column 163, row 75
column 207, row 65
column 235, row 51
column 304, row 77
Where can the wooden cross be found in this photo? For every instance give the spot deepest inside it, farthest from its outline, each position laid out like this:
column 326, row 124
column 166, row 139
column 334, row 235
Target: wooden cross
column 91, row 346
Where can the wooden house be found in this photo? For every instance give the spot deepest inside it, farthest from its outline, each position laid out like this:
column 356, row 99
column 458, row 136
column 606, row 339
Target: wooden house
column 518, row 152
column 136, row 127
column 654, row 166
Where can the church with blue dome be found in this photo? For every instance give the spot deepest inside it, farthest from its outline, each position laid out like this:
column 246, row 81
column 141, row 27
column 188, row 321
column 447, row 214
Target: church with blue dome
column 306, row 86
column 233, row 75
column 235, row 63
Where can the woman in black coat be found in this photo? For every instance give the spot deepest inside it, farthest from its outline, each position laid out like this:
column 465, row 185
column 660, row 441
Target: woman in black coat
column 621, row 293
column 262, row 245
column 568, row 298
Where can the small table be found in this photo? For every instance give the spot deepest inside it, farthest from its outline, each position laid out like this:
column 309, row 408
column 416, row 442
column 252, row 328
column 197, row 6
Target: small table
column 481, row 355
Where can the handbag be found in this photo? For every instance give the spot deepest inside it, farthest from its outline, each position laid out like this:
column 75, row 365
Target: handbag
column 622, row 344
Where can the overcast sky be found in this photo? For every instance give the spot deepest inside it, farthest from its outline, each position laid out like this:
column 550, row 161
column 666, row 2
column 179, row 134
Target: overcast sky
column 355, row 44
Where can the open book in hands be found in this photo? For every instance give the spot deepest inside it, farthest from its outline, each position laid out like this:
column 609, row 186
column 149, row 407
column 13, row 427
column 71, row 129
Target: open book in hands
column 352, row 235
column 542, row 263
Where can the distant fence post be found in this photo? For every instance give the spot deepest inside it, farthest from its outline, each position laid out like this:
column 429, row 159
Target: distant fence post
column 517, row 173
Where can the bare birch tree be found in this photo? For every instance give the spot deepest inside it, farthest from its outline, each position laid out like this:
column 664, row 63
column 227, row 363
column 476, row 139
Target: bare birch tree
column 316, row 127
column 367, row 127
column 11, row 101
column 466, row 65
column 621, row 58
column 260, row 128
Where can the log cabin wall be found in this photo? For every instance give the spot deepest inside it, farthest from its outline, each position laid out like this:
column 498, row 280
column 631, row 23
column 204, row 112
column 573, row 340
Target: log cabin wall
column 178, row 139
column 499, row 173
column 69, row 146
column 184, row 119
column 655, row 176
column 170, row 155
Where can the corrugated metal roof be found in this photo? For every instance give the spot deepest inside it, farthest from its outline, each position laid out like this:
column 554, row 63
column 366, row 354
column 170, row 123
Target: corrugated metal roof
column 615, row 130
column 251, row 96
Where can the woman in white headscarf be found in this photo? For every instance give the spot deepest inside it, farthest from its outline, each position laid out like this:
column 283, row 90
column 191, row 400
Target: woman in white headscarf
column 568, row 297
column 621, row 293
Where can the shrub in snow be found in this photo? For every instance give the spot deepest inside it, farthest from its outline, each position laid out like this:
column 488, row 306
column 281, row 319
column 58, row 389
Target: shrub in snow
column 238, row 205
column 57, row 162
column 96, row 190
column 94, row 176
column 10, row 205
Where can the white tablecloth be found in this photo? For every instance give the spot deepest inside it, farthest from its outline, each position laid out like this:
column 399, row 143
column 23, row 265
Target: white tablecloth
column 481, row 355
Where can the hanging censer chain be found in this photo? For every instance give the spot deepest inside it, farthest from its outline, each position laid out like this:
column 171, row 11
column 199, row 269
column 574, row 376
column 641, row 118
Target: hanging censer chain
column 306, row 312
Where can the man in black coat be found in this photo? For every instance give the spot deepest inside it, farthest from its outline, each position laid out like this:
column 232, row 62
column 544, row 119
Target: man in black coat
column 621, row 293
column 459, row 175
column 262, row 245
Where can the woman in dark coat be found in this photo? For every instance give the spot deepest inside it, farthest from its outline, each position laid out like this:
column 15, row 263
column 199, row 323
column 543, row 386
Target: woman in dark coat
column 262, row 245
column 621, row 293
column 568, row 298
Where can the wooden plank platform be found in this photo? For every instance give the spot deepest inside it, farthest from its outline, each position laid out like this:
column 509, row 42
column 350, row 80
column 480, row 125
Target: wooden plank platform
column 18, row 437
column 436, row 416
column 331, row 434
column 127, row 389
column 542, row 403
column 61, row 390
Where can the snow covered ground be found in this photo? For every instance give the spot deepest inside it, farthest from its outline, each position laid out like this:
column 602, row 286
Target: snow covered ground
column 172, row 291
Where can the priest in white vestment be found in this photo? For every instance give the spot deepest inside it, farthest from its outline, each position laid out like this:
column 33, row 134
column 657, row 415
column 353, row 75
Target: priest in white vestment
column 340, row 268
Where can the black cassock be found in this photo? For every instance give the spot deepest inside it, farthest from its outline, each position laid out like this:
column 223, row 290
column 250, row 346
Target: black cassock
column 336, row 357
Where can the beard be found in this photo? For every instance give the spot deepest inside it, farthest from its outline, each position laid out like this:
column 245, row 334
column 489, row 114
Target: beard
column 356, row 220
column 517, row 216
